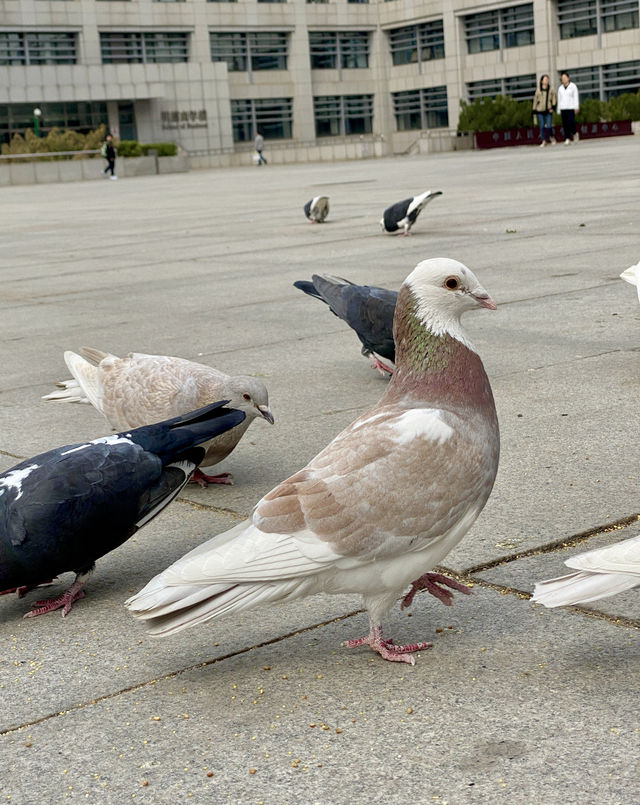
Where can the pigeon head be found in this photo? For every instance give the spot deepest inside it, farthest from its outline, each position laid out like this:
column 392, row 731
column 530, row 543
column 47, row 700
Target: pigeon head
column 440, row 291
column 250, row 395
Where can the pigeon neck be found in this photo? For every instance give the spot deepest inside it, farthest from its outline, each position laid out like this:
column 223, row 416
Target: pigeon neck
column 435, row 365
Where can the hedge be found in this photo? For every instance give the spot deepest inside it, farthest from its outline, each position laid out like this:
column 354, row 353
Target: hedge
column 503, row 112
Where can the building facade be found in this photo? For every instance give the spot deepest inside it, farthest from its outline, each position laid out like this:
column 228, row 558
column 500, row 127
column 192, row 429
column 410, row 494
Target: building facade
column 209, row 74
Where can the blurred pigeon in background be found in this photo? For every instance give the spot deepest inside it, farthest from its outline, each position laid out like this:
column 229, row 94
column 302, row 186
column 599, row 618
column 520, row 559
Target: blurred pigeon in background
column 382, row 504
column 403, row 214
column 141, row 389
column 317, row 209
column 632, row 275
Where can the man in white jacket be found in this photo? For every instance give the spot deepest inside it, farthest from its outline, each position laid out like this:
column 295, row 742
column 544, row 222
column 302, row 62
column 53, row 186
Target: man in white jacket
column 568, row 106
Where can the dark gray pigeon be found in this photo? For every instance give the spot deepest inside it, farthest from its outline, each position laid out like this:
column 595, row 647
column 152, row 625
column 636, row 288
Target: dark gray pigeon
column 63, row 509
column 403, row 214
column 366, row 309
column 317, row 209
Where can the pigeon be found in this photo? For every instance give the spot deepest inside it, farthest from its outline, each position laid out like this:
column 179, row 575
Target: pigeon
column 141, row 389
column 382, row 504
column 317, row 209
column 632, row 275
column 65, row 508
column 366, row 309
column 403, row 214
column 601, row 573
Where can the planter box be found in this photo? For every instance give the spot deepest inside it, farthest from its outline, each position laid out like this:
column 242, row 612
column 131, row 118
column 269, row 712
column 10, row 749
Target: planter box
column 531, row 134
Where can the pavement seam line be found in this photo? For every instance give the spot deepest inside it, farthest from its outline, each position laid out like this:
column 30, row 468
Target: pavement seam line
column 174, row 674
column 616, row 620
column 563, row 542
column 215, row 509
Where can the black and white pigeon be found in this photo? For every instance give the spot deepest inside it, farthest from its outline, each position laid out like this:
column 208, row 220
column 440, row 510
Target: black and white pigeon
column 366, row 309
column 65, row 508
column 599, row 574
column 403, row 214
column 382, row 504
column 317, row 209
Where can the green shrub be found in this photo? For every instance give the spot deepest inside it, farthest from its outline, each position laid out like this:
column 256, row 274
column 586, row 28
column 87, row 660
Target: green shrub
column 55, row 140
column 163, row 149
column 624, row 107
column 129, row 148
column 495, row 114
column 592, row 110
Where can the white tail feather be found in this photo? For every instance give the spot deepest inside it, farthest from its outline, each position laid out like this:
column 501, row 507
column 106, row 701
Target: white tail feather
column 581, row 588
column 86, row 376
column 95, row 355
column 68, row 391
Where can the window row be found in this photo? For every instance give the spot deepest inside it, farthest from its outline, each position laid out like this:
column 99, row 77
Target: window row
column 499, row 29
column 417, row 43
column 250, row 51
column 520, row 87
column 37, row 48
column 607, row 80
column 588, row 17
column 81, row 116
column 338, row 115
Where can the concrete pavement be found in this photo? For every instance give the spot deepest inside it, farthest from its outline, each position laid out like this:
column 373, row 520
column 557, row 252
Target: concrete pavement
column 514, row 703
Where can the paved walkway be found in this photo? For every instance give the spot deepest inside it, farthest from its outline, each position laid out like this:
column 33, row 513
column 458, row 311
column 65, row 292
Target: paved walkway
column 514, row 703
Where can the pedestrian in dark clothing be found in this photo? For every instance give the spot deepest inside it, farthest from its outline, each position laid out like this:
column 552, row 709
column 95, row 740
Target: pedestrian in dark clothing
column 109, row 153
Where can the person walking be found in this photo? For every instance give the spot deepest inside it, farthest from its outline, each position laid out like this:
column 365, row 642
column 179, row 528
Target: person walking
column 259, row 145
column 568, row 106
column 544, row 102
column 109, row 152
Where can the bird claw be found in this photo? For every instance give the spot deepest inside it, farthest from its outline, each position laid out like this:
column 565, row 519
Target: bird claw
column 65, row 601
column 431, row 583
column 203, row 480
column 387, row 648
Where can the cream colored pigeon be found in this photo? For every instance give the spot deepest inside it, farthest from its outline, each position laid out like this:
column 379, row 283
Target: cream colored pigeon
column 601, row 573
column 143, row 389
column 382, row 504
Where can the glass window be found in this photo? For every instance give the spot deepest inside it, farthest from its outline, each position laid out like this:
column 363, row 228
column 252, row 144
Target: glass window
column 230, row 48
column 618, row 15
column 337, row 115
column 348, row 50
column 250, row 51
column 577, row 18
column 83, row 117
column 417, row 43
column 272, row 117
column 503, row 28
column 425, row 108
column 137, row 47
column 619, row 78
column 520, row 87
column 56, row 47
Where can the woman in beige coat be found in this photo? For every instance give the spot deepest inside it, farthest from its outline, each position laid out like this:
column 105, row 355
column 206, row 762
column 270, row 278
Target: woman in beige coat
column 544, row 102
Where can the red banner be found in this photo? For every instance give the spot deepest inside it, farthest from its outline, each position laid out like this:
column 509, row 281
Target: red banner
column 531, row 134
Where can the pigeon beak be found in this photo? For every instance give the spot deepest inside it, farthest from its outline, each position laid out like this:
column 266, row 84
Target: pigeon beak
column 266, row 413
column 483, row 299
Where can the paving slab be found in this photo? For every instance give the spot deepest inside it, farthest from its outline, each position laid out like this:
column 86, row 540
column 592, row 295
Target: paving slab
column 514, row 703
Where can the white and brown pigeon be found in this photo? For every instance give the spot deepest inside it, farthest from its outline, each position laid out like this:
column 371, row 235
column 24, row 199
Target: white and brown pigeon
column 600, row 573
column 317, row 209
column 142, row 389
column 382, row 504
column 403, row 214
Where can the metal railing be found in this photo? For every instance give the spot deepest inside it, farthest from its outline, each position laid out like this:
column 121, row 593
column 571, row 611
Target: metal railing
column 50, row 154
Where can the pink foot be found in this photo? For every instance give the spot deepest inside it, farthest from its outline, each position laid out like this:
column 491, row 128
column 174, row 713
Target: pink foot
column 431, row 583
column 66, row 601
column 386, row 648
column 384, row 370
column 203, row 480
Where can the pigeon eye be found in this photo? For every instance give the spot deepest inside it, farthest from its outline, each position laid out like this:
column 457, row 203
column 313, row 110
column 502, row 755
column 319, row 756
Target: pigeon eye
column 246, row 396
column 452, row 283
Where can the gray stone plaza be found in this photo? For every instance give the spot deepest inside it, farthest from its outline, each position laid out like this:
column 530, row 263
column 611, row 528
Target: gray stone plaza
column 514, row 703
